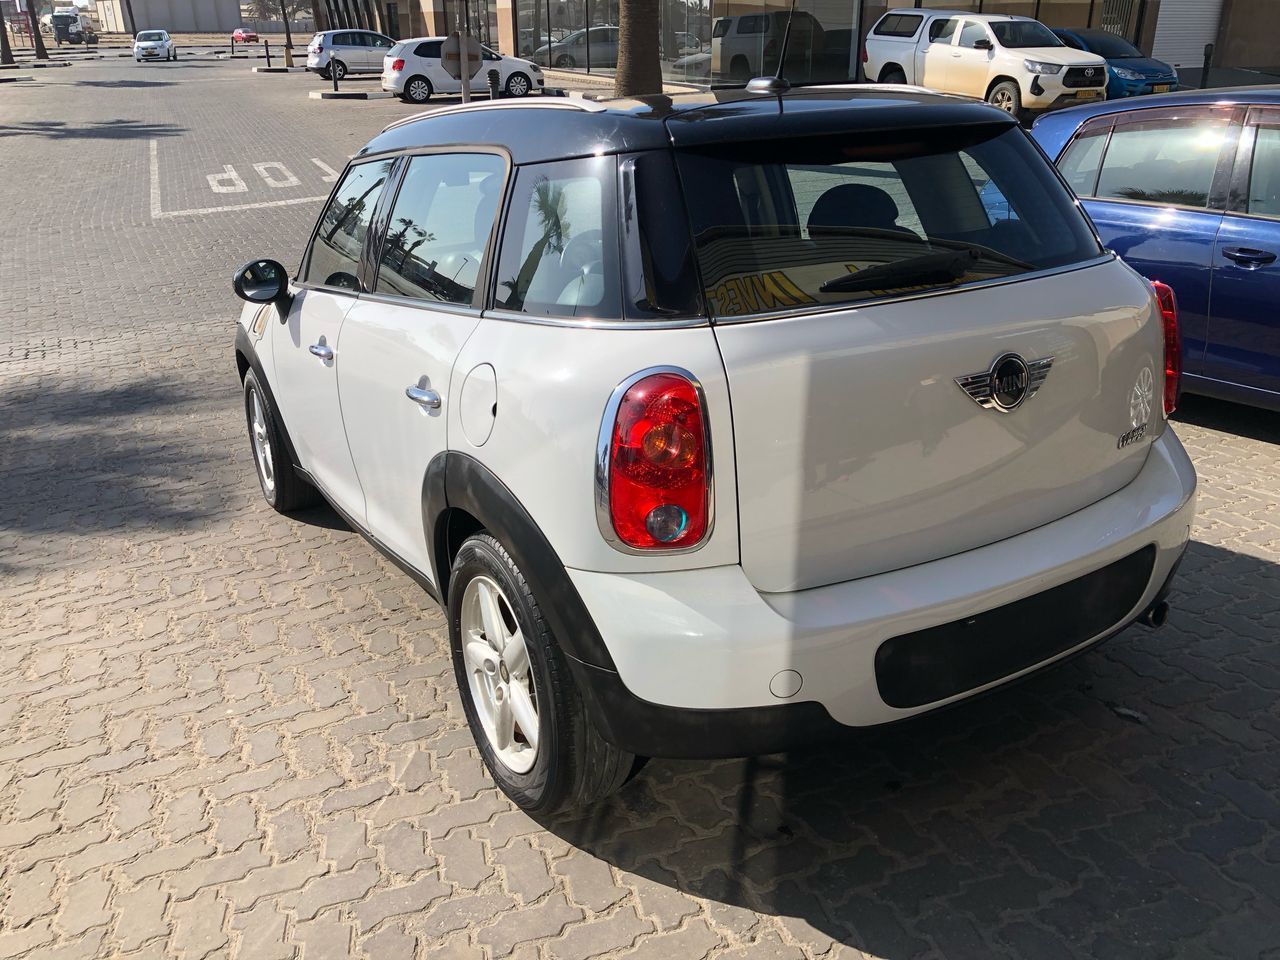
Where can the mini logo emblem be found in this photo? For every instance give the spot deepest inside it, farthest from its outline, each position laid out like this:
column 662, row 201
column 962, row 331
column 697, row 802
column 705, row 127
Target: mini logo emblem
column 1140, row 398
column 1008, row 382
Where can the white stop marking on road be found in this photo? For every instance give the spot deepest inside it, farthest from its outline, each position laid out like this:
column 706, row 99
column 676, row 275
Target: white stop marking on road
column 228, row 181
column 281, row 176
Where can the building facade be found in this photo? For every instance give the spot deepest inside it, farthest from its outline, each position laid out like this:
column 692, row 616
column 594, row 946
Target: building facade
column 725, row 41
column 176, row 16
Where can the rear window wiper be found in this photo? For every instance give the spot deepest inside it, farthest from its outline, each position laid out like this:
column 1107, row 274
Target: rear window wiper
column 930, row 268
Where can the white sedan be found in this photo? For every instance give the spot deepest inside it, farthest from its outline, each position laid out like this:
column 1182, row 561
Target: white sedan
column 413, row 71
column 154, row 45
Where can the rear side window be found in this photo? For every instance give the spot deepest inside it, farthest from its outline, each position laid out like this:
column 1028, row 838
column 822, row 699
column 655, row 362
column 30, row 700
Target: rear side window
column 334, row 257
column 1080, row 163
column 1264, row 178
column 1163, row 161
column 804, row 223
column 440, row 226
column 754, row 24
column 721, row 28
column 429, row 49
column 898, row 25
column 560, row 244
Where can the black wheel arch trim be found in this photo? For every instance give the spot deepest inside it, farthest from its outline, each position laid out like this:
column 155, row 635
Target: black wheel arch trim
column 244, row 347
column 457, row 481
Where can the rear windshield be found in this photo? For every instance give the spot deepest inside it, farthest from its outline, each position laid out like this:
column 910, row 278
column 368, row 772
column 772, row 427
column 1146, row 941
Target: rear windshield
column 898, row 25
column 781, row 225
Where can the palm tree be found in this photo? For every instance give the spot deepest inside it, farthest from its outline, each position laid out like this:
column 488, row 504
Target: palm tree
column 639, row 70
column 6, row 52
column 33, row 17
column 552, row 207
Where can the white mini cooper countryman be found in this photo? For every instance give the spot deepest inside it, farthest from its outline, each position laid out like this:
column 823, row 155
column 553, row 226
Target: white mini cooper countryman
column 719, row 423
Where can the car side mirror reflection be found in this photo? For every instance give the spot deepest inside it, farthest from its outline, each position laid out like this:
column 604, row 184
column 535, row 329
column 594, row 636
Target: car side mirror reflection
column 262, row 281
column 982, row 44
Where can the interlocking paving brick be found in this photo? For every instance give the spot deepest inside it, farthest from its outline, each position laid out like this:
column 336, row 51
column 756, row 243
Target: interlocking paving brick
column 397, row 901
column 140, row 914
column 261, row 933
column 198, row 925
column 350, row 885
column 600, row 936
column 84, row 905
column 462, row 859
column 545, row 919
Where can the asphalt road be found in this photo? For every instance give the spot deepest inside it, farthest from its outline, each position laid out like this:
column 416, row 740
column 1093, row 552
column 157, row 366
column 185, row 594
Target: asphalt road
column 227, row 733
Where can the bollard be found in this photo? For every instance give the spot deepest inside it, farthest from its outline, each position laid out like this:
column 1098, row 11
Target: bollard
column 333, row 74
column 1204, row 71
column 494, row 79
column 233, row 46
column 266, row 46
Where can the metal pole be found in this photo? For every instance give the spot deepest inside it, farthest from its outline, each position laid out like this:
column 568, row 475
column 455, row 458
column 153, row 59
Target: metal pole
column 266, row 46
column 1204, row 71
column 1089, row 21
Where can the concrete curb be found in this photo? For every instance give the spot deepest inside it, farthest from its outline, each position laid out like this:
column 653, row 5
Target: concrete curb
column 14, row 79
column 35, row 65
column 350, row 95
column 279, row 69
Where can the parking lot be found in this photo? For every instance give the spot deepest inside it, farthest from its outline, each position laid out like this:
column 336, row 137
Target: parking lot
column 224, row 733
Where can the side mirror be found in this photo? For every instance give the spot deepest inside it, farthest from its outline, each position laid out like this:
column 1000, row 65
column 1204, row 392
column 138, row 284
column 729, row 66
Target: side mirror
column 262, row 281
column 982, row 44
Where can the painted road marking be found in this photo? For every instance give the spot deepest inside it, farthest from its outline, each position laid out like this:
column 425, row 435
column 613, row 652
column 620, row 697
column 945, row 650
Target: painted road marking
column 227, row 177
column 330, row 174
column 281, row 176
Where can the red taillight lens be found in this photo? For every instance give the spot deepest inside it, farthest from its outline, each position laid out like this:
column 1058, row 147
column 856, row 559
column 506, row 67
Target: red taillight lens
column 864, row 53
column 1172, row 345
column 397, row 64
column 659, row 466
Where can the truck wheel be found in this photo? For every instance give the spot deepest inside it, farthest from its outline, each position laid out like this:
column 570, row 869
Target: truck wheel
column 1007, row 97
column 521, row 702
column 893, row 76
column 739, row 70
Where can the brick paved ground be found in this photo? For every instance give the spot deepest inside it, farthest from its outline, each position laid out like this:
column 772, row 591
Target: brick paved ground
column 224, row 733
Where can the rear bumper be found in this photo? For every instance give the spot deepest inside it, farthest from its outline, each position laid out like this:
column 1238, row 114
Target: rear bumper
column 706, row 666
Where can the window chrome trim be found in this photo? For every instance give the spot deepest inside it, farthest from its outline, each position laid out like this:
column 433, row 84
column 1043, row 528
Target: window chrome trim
column 905, row 298
column 603, row 442
column 605, row 323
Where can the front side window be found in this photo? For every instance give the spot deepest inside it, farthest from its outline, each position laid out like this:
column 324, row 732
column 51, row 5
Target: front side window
column 941, row 31
column 334, row 257
column 972, row 33
column 1170, row 160
column 439, row 227
column 1264, row 176
column 721, row 28
column 834, row 220
column 560, row 245
column 1024, row 33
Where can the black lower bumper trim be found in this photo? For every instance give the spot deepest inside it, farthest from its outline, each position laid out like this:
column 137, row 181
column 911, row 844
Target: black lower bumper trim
column 931, row 665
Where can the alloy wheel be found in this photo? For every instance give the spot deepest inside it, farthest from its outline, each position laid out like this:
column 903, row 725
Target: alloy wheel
column 419, row 92
column 262, row 452
column 517, row 86
column 1004, row 100
column 498, row 674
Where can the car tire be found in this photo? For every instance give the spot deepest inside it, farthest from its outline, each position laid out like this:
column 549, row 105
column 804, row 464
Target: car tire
column 566, row 62
column 518, row 85
column 894, row 76
column 323, row 73
column 739, row 70
column 1007, row 96
column 565, row 764
column 281, row 486
column 417, row 90
column 338, row 67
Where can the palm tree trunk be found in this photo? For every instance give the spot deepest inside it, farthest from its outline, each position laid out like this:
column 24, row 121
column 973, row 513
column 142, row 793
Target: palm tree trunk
column 639, row 71
column 33, row 17
column 133, row 24
column 288, row 36
column 6, row 52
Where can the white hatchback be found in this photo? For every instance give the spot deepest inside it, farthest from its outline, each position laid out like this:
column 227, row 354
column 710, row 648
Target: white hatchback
column 412, row 70
column 720, row 422
column 154, row 45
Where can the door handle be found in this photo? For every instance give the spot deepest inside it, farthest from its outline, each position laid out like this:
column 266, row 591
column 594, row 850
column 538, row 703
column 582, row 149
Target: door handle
column 321, row 350
column 1249, row 257
column 423, row 397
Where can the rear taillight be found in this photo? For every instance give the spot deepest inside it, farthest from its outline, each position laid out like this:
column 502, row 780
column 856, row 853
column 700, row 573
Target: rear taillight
column 1172, row 345
column 397, row 64
column 771, row 48
column 864, row 53
column 655, row 463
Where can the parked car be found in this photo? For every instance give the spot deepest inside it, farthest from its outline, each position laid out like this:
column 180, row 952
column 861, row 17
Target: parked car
column 244, row 35
column 1186, row 188
column 532, row 40
column 1014, row 63
column 413, row 72
column 720, row 422
column 1130, row 72
column 686, row 44
column 347, row 51
column 748, row 45
column 597, row 47
column 154, row 45
column 695, row 66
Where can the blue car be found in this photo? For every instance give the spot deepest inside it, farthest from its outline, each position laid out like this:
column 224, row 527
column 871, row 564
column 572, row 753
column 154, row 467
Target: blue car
column 1186, row 188
column 1129, row 72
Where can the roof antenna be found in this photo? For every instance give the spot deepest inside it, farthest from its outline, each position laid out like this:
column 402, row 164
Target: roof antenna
column 777, row 84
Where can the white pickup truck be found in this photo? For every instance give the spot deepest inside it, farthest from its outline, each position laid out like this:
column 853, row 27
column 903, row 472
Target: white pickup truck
column 1014, row 63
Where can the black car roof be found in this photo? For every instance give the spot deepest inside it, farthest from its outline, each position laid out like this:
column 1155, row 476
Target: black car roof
column 554, row 128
